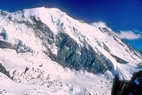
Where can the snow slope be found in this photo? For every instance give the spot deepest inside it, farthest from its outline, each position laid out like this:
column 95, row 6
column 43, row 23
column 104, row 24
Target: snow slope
column 43, row 51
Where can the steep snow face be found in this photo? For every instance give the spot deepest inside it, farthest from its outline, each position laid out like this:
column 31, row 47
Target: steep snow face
column 45, row 52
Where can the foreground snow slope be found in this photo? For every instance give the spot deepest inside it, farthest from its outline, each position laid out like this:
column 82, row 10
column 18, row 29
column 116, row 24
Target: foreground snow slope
column 43, row 51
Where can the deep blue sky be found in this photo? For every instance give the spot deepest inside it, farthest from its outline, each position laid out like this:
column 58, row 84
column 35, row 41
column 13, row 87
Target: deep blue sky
column 118, row 14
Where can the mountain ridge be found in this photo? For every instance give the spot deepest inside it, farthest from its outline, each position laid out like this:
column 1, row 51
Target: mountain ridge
column 45, row 47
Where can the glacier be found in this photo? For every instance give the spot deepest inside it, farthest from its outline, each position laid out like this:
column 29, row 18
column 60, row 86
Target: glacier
column 43, row 51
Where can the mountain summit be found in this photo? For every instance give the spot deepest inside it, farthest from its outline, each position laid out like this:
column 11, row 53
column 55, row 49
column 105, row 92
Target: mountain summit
column 43, row 51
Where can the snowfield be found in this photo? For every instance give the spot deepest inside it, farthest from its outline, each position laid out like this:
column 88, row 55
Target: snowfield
column 43, row 51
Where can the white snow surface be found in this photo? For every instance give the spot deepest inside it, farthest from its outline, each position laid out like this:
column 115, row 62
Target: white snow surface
column 35, row 73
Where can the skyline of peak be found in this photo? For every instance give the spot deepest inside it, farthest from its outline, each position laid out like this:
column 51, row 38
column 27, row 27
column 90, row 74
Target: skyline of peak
column 119, row 15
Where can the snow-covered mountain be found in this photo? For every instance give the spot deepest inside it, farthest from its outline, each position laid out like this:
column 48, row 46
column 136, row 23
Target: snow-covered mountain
column 43, row 51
